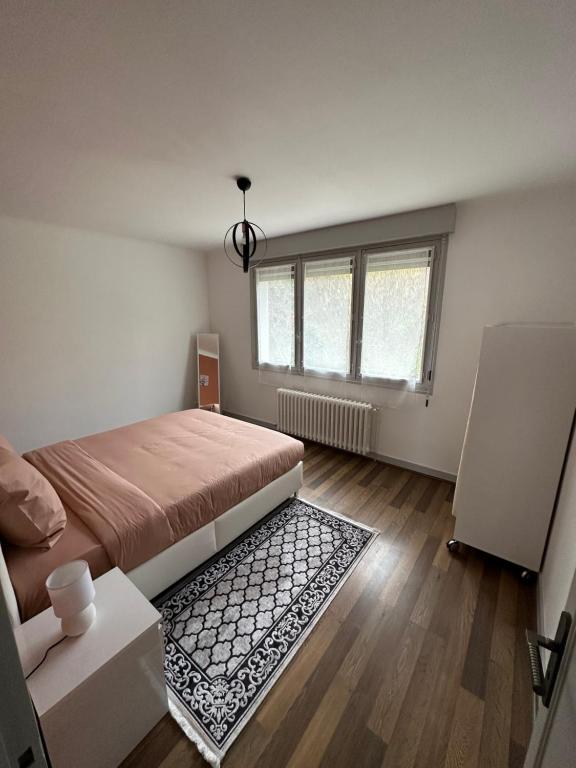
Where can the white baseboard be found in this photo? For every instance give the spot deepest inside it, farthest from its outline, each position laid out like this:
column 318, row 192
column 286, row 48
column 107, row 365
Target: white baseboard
column 430, row 471
column 250, row 420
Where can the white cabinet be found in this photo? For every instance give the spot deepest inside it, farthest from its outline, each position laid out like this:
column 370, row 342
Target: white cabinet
column 516, row 440
column 97, row 695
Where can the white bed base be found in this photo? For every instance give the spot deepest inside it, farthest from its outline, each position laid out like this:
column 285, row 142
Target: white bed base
column 163, row 570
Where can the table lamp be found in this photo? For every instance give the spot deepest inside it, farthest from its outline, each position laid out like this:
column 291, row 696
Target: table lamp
column 72, row 593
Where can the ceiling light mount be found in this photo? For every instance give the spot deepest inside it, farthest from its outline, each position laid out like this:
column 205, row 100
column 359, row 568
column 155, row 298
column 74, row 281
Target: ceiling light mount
column 241, row 239
column 243, row 183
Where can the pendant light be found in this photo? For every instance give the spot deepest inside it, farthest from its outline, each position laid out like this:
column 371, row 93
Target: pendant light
column 240, row 240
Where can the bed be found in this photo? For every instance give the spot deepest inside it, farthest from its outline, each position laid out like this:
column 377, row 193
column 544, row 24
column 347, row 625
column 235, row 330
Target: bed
column 155, row 498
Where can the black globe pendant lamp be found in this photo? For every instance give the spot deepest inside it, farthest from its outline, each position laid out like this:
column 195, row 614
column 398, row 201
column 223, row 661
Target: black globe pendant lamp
column 240, row 240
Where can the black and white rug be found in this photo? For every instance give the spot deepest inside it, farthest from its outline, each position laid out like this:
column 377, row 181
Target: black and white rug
column 232, row 626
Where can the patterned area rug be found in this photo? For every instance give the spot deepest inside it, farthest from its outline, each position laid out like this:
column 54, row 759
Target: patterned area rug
column 232, row 626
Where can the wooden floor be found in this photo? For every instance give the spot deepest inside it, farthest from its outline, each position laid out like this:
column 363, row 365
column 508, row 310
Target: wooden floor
column 419, row 661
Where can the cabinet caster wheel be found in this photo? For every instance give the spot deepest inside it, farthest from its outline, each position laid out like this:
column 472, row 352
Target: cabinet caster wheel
column 452, row 545
column 527, row 576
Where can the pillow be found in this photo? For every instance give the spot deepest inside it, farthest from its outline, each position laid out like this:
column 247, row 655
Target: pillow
column 5, row 447
column 31, row 514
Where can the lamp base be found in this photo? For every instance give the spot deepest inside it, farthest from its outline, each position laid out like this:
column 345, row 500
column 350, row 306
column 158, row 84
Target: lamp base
column 80, row 622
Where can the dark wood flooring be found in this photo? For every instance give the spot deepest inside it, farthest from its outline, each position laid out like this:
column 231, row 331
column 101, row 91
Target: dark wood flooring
column 419, row 662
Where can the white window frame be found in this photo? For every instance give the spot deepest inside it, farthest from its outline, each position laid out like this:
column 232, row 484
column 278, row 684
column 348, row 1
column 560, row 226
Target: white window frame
column 359, row 257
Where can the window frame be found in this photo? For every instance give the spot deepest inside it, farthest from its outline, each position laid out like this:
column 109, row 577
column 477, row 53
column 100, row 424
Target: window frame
column 254, row 317
column 326, row 256
column 359, row 258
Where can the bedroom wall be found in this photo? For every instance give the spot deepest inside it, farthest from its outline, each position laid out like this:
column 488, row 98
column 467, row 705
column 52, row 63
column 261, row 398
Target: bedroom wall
column 511, row 258
column 560, row 558
column 95, row 331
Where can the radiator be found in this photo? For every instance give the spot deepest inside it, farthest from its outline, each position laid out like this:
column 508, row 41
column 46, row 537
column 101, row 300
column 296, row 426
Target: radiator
column 331, row 420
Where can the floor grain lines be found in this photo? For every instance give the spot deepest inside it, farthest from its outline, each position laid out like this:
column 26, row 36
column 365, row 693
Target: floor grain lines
column 420, row 661
column 464, row 744
column 399, row 670
column 402, row 750
column 475, row 674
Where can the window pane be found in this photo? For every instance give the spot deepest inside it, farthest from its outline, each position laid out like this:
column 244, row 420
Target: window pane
column 327, row 314
column 275, row 312
column 395, row 311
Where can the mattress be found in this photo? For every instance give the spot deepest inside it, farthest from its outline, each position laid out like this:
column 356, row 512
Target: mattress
column 134, row 491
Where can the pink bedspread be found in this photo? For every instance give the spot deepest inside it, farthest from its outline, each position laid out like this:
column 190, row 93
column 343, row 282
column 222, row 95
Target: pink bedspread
column 143, row 487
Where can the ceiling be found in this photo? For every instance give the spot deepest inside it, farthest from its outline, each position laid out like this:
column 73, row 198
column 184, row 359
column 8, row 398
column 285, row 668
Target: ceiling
column 133, row 116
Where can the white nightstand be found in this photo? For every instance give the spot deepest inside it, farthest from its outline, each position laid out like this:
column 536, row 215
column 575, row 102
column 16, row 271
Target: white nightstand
column 97, row 695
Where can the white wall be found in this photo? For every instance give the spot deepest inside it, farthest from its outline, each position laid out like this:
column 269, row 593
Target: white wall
column 511, row 258
column 95, row 331
column 560, row 558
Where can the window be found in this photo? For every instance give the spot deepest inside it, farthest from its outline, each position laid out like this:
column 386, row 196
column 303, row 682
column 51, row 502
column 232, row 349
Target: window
column 365, row 315
column 327, row 315
column 275, row 313
column 396, row 289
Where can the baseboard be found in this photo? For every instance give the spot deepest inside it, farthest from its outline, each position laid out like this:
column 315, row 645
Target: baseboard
column 430, row 471
column 423, row 470
column 250, row 420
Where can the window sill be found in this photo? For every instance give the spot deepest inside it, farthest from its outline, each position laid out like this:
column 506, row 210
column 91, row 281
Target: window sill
column 419, row 388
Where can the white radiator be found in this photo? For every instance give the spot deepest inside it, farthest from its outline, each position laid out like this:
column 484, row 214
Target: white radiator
column 331, row 420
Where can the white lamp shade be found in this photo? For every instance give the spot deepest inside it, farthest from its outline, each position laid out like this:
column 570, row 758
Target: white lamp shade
column 70, row 588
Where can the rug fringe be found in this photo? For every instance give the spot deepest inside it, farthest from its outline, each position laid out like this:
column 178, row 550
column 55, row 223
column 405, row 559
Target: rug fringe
column 192, row 734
